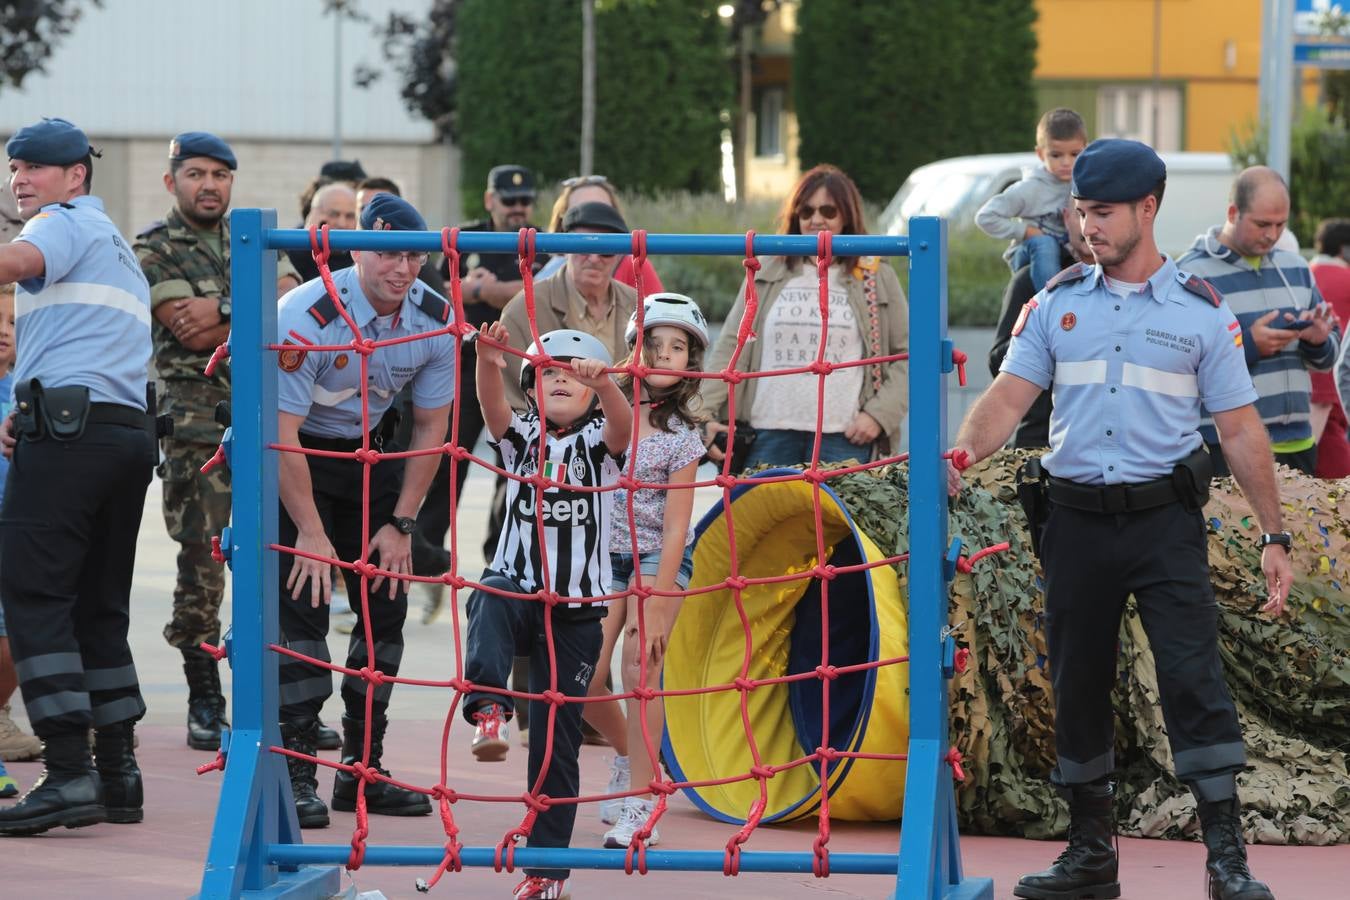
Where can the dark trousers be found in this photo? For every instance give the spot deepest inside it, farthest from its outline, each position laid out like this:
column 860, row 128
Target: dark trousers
column 337, row 495
column 1304, row 460
column 1093, row 562
column 501, row 628
column 68, row 544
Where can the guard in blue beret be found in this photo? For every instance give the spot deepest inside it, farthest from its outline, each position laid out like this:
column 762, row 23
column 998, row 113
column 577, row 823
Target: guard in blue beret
column 201, row 143
column 321, row 398
column 81, row 436
column 1130, row 348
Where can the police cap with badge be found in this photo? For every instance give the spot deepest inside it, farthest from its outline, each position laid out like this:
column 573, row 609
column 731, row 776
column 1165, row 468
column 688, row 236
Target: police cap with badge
column 1115, row 170
column 511, row 181
column 52, row 142
column 190, row 144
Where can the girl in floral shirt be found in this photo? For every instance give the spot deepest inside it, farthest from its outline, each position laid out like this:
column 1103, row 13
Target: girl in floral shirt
column 675, row 336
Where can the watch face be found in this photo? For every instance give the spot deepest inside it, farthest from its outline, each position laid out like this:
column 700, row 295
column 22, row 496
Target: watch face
column 405, row 524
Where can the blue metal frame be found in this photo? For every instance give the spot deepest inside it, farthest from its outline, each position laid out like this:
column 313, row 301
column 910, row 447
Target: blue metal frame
column 256, row 845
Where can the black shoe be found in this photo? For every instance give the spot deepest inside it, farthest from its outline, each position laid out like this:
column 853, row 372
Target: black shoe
column 206, row 702
column 327, row 738
column 1087, row 868
column 1226, row 866
column 298, row 735
column 68, row 794
column 428, row 560
column 123, row 793
column 382, row 798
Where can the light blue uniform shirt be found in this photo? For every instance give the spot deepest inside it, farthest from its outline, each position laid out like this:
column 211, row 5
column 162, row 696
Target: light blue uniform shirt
column 324, row 386
column 1128, row 373
column 86, row 320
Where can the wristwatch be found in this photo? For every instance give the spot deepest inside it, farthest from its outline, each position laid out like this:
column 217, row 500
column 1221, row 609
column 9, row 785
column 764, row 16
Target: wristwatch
column 225, row 308
column 404, row 524
column 1283, row 538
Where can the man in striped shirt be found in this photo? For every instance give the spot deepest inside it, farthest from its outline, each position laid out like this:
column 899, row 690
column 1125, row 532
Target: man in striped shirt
column 553, row 554
column 1286, row 328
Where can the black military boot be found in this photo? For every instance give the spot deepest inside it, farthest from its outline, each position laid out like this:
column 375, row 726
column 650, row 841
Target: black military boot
column 1087, row 867
column 298, row 735
column 1229, row 877
column 206, row 703
column 327, row 738
column 67, row 794
column 123, row 795
column 381, row 798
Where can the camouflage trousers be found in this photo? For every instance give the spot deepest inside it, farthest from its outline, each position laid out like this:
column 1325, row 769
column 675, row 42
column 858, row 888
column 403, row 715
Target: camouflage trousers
column 196, row 508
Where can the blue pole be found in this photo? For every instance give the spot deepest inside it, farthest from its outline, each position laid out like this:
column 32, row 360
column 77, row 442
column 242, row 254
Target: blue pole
column 255, row 808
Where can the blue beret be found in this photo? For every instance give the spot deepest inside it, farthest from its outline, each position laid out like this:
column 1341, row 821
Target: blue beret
column 1114, row 170
column 201, row 143
column 54, row 142
column 386, row 212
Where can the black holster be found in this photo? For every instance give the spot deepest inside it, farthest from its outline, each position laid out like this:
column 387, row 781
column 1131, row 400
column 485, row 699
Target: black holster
column 1034, row 495
column 1191, row 476
column 58, row 413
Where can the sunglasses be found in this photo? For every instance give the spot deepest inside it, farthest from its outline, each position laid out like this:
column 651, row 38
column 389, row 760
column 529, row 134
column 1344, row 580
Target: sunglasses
column 826, row 210
column 417, row 259
column 525, row 200
column 580, row 180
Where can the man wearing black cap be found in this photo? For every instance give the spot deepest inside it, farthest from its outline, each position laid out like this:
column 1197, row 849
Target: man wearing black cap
column 1131, row 347
column 186, row 259
column 82, row 447
column 320, row 407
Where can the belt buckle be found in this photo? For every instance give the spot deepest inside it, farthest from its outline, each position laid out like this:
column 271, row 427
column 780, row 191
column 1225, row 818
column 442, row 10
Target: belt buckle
column 1115, row 498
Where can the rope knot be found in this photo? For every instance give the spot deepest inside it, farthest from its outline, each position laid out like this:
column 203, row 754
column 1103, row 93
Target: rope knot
column 366, row 456
column 363, row 772
column 765, row 772
column 366, row 569
column 829, row 673
column 737, row 583
column 827, row 754
column 733, row 377
column 821, row 367
column 374, row 676
column 725, row 481
column 820, row 863
column 557, row 698
column 660, row 787
column 444, row 792
column 744, row 684
column 537, row 805
column 644, row 693
column 628, row 483
column 953, row 759
column 365, row 346
column 550, row 598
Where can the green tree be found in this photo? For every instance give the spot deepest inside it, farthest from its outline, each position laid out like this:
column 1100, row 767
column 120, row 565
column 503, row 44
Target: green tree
column 883, row 86
column 30, row 31
column 512, row 92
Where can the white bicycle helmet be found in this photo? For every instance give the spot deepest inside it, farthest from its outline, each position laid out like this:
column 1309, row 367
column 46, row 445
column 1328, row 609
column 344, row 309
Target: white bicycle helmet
column 669, row 309
column 565, row 343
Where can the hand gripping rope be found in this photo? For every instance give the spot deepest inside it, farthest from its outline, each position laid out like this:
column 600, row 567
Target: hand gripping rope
column 533, row 800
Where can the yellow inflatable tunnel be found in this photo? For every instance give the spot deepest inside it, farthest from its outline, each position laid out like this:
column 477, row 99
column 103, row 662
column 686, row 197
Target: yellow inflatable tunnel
column 869, row 710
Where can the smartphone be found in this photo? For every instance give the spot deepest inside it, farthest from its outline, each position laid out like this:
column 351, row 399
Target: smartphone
column 1296, row 325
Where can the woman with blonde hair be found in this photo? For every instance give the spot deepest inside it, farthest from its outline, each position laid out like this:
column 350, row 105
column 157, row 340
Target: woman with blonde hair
column 596, row 189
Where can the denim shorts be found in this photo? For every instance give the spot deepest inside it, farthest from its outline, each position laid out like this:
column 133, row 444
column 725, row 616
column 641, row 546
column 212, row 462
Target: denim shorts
column 621, row 564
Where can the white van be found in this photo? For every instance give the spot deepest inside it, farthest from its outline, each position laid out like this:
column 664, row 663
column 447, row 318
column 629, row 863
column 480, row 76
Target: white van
column 955, row 189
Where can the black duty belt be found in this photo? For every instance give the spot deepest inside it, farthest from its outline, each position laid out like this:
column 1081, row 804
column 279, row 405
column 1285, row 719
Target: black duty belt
column 116, row 414
column 344, row 445
column 1113, row 498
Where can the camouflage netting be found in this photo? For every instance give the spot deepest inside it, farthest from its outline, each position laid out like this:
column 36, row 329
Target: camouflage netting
column 1290, row 678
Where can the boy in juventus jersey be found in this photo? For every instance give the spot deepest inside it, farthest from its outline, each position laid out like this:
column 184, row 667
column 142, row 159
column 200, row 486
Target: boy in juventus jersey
column 552, row 556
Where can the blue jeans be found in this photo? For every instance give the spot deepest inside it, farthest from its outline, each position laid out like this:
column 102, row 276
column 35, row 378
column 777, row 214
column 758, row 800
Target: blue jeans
column 1045, row 255
column 784, row 447
column 621, row 565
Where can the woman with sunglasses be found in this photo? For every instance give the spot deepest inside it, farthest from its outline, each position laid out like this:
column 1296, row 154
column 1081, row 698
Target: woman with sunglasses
column 862, row 406
column 596, row 189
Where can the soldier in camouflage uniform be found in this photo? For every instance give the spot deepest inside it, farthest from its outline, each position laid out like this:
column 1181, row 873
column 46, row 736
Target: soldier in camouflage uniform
column 186, row 258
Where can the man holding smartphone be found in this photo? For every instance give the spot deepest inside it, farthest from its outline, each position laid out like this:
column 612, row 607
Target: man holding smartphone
column 1286, row 328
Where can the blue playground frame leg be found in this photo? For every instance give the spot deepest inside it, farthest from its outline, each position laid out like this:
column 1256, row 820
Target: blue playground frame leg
column 930, row 849
column 256, row 807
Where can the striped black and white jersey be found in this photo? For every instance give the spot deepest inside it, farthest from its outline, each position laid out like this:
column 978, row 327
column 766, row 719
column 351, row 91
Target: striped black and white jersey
column 576, row 523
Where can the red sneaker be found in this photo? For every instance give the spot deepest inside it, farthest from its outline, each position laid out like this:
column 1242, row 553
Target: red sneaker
column 490, row 737
column 536, row 888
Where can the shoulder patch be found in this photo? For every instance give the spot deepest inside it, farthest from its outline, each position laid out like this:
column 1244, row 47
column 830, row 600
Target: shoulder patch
column 434, row 305
column 153, row 226
column 324, row 310
column 1075, row 272
column 1027, row 309
column 1200, row 288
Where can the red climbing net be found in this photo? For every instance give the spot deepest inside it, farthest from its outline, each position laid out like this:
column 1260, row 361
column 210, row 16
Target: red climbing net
column 533, row 801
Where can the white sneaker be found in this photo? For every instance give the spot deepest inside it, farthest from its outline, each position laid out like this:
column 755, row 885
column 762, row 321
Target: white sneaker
column 635, row 813
column 490, row 734
column 611, row 810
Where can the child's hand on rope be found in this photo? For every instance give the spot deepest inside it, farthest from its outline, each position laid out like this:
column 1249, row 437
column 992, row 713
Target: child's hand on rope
column 495, row 331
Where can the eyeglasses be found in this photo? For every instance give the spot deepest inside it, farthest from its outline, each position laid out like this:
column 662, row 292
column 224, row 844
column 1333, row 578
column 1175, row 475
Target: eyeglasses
column 826, row 210
column 525, row 200
column 580, row 180
column 417, row 259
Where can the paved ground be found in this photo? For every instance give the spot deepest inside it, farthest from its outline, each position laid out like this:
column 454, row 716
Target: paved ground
column 162, row 857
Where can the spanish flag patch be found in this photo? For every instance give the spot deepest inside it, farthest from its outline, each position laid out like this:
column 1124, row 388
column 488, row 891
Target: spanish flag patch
column 1237, row 333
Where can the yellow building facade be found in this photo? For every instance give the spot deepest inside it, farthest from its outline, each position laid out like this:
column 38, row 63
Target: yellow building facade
column 1177, row 74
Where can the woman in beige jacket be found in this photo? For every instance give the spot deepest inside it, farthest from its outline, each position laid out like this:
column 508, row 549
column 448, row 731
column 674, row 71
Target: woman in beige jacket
column 868, row 317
